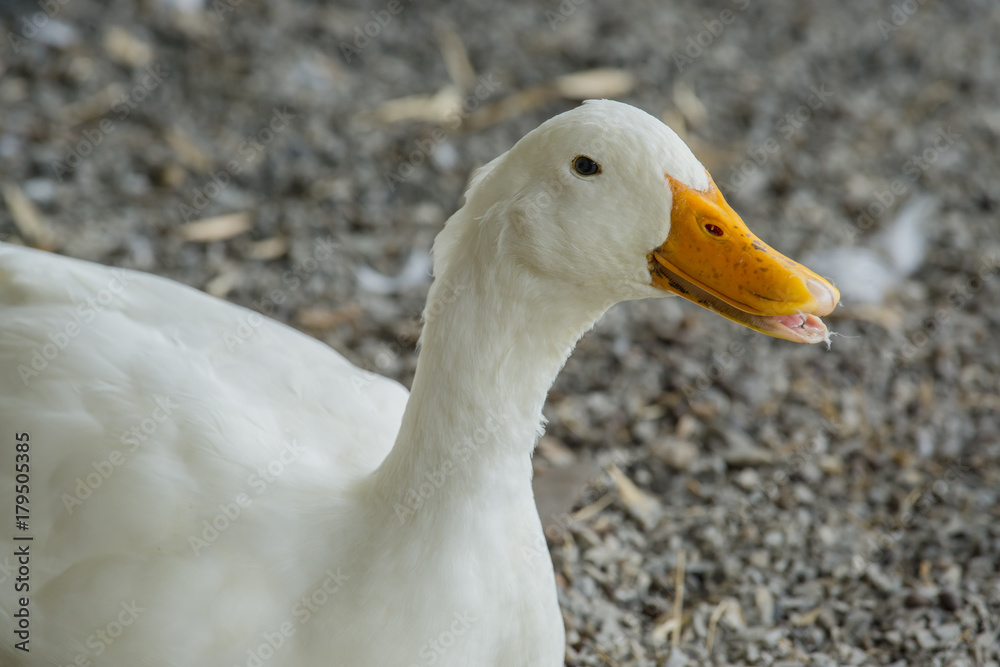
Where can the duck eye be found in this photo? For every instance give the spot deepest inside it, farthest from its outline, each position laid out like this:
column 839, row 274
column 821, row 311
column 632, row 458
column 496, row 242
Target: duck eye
column 585, row 166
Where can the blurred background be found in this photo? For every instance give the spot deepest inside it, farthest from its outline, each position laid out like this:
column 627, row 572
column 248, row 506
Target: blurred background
column 822, row 507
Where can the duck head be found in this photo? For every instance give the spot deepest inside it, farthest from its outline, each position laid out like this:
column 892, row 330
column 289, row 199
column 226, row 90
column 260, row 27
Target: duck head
column 609, row 202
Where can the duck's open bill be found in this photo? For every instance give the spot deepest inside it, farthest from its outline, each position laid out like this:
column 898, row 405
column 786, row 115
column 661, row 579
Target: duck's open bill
column 710, row 257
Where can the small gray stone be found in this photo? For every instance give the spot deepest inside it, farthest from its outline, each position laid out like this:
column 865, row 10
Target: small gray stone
column 677, row 453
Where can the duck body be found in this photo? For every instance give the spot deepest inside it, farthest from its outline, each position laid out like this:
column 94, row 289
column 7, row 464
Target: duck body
column 167, row 490
column 210, row 487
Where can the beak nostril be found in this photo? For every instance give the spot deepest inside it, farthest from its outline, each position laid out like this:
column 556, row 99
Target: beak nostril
column 714, row 230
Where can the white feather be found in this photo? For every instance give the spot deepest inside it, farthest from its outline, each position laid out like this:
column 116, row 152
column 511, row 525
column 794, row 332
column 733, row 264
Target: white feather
column 867, row 275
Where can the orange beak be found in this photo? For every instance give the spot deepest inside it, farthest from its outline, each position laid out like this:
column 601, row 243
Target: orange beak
column 710, row 257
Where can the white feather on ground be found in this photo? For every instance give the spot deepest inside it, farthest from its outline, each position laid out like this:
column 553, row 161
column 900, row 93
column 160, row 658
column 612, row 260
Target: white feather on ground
column 868, row 274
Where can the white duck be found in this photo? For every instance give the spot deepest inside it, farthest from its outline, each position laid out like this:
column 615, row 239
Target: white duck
column 195, row 501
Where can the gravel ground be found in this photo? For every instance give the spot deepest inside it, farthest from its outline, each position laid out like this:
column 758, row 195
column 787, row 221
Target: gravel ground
column 818, row 507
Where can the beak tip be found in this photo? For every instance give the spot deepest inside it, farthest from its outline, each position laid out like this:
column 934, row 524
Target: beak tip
column 826, row 295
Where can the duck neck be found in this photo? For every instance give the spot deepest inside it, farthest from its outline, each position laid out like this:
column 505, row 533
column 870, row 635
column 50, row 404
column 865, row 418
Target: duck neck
column 491, row 347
